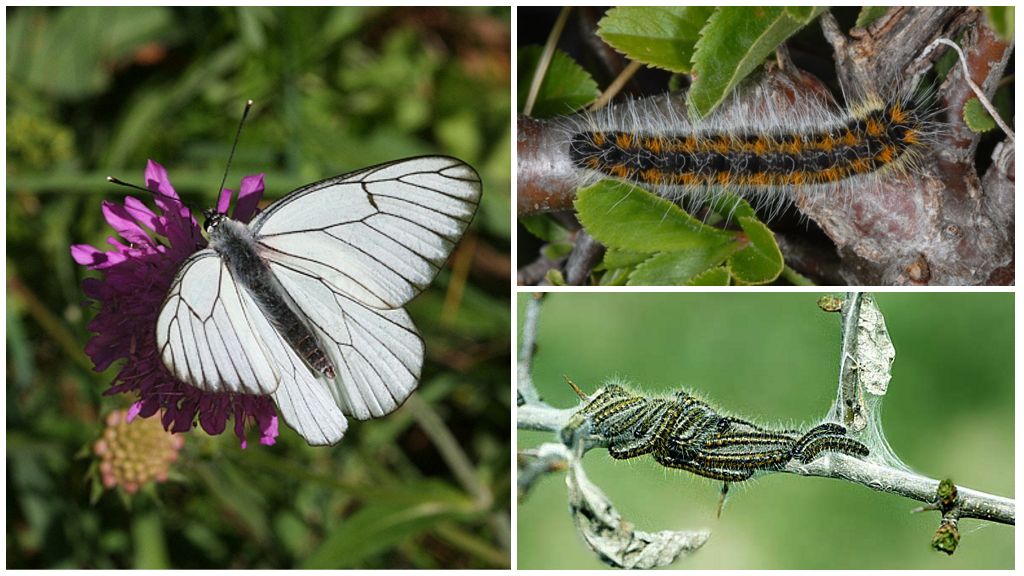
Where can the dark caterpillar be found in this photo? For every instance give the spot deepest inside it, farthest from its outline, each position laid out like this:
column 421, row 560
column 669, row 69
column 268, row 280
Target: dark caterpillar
column 686, row 433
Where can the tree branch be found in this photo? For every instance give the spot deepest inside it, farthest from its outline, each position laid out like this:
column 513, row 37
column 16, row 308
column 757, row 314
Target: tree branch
column 976, row 504
column 527, row 392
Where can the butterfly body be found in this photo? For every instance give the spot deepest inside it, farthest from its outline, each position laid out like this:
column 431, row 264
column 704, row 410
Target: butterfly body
column 236, row 245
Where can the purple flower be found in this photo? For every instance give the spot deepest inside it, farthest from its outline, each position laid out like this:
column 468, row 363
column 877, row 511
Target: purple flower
column 137, row 273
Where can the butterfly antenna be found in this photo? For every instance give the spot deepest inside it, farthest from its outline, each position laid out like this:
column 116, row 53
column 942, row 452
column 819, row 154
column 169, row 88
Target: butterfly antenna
column 119, row 182
column 238, row 133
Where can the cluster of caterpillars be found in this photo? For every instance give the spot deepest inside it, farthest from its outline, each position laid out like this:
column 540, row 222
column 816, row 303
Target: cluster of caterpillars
column 686, row 433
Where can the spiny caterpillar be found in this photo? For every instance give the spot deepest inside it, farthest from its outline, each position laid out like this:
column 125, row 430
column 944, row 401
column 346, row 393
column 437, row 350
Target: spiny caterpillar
column 766, row 142
column 686, row 433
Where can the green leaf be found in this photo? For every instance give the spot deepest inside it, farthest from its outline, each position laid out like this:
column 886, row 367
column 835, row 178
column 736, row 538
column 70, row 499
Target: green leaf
column 556, row 250
column 795, row 278
column 101, row 36
column 732, row 206
column 761, row 261
column 869, row 14
column 1001, row 20
column 626, row 217
column 616, row 277
column 566, row 87
column 292, row 533
column 976, row 117
column 148, row 542
column 555, row 277
column 734, row 42
column 715, row 277
column 614, row 258
column 544, row 227
column 389, row 519
column 802, row 14
column 232, row 491
column 677, row 268
column 662, row 37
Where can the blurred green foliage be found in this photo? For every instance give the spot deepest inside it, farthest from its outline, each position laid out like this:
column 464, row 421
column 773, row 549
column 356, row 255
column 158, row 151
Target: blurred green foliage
column 98, row 91
column 774, row 358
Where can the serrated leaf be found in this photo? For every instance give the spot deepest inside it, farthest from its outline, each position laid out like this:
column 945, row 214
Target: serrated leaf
column 626, row 217
column 976, row 117
column 718, row 276
column 869, row 14
column 677, row 268
column 761, row 261
column 566, row 87
column 734, row 41
column 662, row 37
column 1001, row 20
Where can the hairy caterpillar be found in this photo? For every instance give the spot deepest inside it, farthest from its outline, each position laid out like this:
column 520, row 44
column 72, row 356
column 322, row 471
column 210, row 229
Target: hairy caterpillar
column 686, row 433
column 766, row 142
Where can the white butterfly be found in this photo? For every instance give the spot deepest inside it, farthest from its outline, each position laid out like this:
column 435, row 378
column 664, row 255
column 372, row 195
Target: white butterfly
column 305, row 302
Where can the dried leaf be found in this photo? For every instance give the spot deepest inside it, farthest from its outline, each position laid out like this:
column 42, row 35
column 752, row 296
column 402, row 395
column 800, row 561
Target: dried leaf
column 613, row 538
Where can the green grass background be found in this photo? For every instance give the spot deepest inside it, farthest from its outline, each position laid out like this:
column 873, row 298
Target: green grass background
column 93, row 92
column 774, row 358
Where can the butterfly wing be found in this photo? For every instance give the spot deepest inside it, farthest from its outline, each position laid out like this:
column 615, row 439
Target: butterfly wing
column 377, row 353
column 377, row 235
column 210, row 333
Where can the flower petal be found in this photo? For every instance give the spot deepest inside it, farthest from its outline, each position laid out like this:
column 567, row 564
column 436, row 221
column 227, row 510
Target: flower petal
column 224, row 200
column 93, row 257
column 158, row 182
column 249, row 197
column 122, row 221
column 142, row 214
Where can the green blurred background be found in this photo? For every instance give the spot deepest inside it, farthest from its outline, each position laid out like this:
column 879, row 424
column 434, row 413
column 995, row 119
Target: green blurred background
column 97, row 91
column 774, row 358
